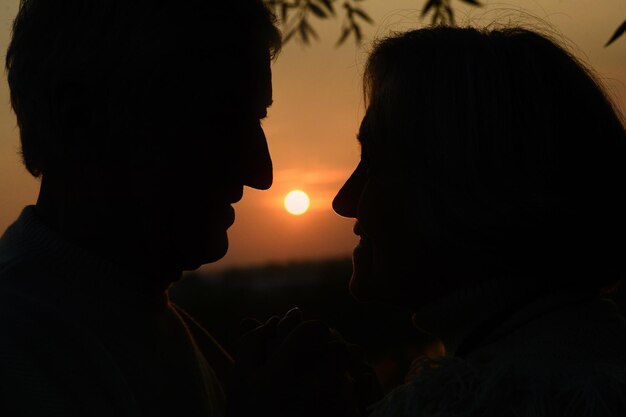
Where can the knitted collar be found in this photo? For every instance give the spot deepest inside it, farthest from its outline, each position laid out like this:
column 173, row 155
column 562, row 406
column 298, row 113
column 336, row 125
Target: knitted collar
column 458, row 319
column 76, row 270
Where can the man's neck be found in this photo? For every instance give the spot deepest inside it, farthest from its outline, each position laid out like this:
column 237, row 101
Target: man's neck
column 115, row 228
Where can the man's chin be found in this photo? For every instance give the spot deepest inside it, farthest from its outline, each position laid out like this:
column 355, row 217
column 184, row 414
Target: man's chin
column 193, row 258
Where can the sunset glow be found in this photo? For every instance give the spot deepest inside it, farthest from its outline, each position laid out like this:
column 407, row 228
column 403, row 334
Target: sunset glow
column 297, row 202
column 318, row 105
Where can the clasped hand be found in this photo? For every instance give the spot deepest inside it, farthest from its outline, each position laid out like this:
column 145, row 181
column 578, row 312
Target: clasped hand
column 291, row 367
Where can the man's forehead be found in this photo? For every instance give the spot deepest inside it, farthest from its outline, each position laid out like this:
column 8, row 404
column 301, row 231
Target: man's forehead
column 265, row 87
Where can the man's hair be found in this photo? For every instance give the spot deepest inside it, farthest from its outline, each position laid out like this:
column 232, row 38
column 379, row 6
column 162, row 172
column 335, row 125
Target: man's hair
column 95, row 81
column 515, row 150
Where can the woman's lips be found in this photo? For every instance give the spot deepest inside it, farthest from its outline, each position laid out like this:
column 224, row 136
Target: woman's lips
column 363, row 241
column 364, row 247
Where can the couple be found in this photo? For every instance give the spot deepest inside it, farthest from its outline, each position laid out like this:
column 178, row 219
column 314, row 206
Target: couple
column 489, row 200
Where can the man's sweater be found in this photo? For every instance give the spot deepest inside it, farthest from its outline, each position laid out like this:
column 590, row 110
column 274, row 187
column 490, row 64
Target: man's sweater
column 81, row 337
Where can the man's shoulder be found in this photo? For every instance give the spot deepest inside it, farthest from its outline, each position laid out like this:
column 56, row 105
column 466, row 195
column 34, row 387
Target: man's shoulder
column 27, row 372
column 21, row 299
column 51, row 360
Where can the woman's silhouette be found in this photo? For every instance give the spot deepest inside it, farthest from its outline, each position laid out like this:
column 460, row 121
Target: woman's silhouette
column 490, row 201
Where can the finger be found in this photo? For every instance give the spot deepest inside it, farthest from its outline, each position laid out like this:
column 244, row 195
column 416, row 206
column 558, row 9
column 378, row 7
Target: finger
column 337, row 355
column 312, row 333
column 247, row 325
column 294, row 312
column 251, row 351
column 254, row 345
column 358, row 361
column 270, row 332
column 272, row 322
column 288, row 323
column 335, row 333
column 307, row 340
column 269, row 328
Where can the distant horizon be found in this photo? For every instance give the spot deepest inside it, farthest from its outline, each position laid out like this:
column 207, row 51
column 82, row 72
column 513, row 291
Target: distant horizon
column 218, row 267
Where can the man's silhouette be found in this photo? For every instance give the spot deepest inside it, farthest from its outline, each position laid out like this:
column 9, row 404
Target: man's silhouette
column 142, row 119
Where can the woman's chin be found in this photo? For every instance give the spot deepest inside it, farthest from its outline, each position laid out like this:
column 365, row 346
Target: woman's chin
column 357, row 290
column 368, row 286
column 377, row 285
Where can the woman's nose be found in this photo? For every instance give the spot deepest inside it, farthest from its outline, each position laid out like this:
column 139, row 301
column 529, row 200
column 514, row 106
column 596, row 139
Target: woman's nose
column 346, row 201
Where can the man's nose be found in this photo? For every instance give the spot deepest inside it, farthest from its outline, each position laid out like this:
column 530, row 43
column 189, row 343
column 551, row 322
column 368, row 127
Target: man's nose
column 258, row 169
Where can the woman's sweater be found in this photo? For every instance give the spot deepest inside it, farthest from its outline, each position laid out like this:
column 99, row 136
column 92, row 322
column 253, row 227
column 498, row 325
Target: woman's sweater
column 513, row 353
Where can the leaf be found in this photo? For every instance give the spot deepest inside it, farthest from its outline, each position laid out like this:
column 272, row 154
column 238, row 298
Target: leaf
column 306, row 30
column 363, row 15
column 450, row 13
column 344, row 35
column 619, row 32
column 329, row 5
column 429, row 6
column 317, row 11
column 310, row 29
column 289, row 35
column 472, row 2
column 358, row 34
column 303, row 33
column 349, row 10
column 283, row 12
column 437, row 17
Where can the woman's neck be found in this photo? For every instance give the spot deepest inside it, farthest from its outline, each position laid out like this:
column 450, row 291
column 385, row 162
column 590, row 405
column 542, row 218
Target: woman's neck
column 463, row 315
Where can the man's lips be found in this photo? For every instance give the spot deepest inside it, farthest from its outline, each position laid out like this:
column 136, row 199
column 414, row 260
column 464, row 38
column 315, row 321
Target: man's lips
column 358, row 230
column 235, row 196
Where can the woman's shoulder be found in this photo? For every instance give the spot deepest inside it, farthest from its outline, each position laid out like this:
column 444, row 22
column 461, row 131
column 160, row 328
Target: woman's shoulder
column 581, row 337
column 450, row 386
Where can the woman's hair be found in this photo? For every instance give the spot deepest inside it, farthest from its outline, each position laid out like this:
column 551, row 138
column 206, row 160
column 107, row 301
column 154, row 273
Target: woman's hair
column 95, row 80
column 517, row 154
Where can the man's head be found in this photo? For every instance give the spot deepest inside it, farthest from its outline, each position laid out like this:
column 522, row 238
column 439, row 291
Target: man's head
column 167, row 96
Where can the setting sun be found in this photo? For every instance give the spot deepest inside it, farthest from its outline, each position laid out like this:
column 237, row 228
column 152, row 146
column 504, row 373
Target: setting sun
column 297, row 202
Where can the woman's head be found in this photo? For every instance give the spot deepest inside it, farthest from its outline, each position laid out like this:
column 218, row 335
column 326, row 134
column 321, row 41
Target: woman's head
column 484, row 153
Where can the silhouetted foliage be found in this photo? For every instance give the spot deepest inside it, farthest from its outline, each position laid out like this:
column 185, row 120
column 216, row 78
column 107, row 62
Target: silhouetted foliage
column 619, row 32
column 296, row 16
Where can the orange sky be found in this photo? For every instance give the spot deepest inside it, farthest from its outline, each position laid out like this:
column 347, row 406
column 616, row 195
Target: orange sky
column 317, row 108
